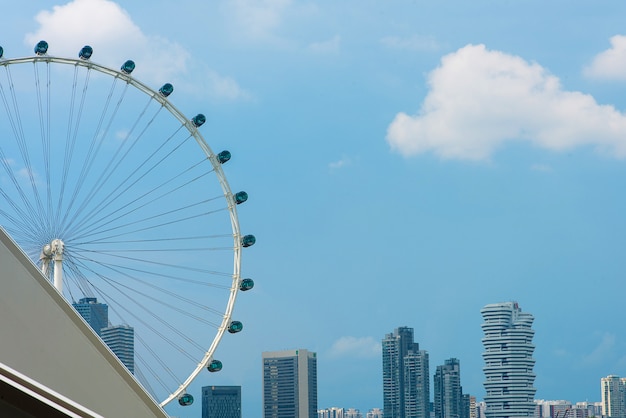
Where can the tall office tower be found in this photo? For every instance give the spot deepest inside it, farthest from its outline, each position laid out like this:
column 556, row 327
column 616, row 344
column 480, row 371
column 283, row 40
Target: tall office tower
column 289, row 384
column 448, row 392
column 121, row 340
column 508, row 359
column 613, row 396
column 221, row 402
column 406, row 389
column 96, row 314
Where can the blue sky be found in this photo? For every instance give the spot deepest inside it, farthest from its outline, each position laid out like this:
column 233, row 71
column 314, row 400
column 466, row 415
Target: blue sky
column 408, row 162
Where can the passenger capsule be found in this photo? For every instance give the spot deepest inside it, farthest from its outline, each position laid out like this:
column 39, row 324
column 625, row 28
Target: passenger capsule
column 41, row 48
column 128, row 67
column 235, row 327
column 214, row 366
column 185, row 399
column 1, row 52
column 198, row 120
column 166, row 90
column 85, row 53
column 246, row 284
column 248, row 240
column 241, row 197
column 223, row 156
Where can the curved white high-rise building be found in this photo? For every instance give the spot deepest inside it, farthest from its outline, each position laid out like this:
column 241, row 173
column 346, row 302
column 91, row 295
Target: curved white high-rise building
column 508, row 359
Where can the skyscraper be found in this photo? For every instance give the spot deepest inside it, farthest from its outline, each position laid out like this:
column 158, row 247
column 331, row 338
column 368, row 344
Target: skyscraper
column 508, row 359
column 221, row 402
column 96, row 314
column 406, row 389
column 121, row 340
column 290, row 384
column 613, row 396
column 448, row 392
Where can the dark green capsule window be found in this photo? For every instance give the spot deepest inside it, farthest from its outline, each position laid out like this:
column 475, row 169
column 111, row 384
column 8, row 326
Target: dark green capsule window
column 128, row 67
column 85, row 53
column 235, row 327
column 214, row 366
column 248, row 240
column 185, row 400
column 166, row 89
column 41, row 48
column 241, row 197
column 246, row 284
column 223, row 156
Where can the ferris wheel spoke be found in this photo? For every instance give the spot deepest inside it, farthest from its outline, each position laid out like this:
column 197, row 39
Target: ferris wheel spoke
column 114, row 162
column 152, row 226
column 158, row 274
column 121, row 188
column 13, row 115
column 95, row 145
column 97, row 223
column 43, row 107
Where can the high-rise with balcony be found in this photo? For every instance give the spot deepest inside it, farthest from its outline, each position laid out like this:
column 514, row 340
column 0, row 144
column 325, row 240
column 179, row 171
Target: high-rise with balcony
column 613, row 396
column 290, row 384
column 406, row 389
column 509, row 376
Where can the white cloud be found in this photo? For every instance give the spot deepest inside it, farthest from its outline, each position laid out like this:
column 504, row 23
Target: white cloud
column 479, row 99
column 116, row 38
column 340, row 163
column 257, row 19
column 412, row 43
column 330, row 46
column 603, row 350
column 364, row 347
column 610, row 64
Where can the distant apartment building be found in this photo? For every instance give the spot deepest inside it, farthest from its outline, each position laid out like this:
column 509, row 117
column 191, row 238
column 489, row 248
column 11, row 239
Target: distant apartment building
column 375, row 413
column 96, row 314
column 333, row 412
column 553, row 409
column 613, row 396
column 119, row 338
column 406, row 378
column 290, row 384
column 221, row 402
column 448, row 394
column 509, row 376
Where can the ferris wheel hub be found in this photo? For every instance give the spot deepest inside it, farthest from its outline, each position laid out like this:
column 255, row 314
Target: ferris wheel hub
column 53, row 252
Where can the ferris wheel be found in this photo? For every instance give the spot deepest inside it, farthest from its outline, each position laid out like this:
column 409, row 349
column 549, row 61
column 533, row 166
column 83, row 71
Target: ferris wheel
column 119, row 199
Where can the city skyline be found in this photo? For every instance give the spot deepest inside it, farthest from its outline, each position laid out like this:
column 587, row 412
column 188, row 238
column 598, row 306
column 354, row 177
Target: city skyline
column 368, row 215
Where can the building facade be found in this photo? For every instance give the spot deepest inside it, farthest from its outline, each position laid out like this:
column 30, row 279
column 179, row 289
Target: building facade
column 221, row 402
column 448, row 394
column 95, row 313
column 121, row 340
column 509, row 364
column 613, row 396
column 406, row 376
column 290, row 384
